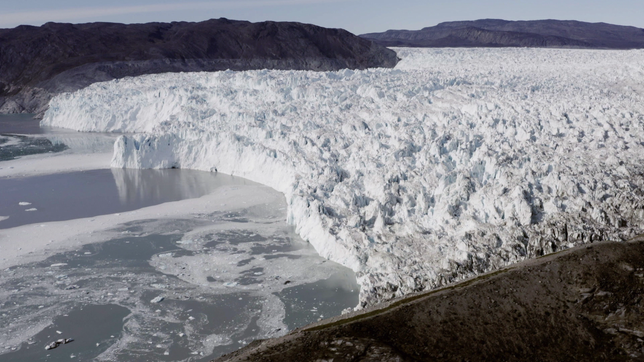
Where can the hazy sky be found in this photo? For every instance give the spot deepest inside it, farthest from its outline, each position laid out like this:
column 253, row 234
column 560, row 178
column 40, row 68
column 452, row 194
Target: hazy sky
column 357, row 16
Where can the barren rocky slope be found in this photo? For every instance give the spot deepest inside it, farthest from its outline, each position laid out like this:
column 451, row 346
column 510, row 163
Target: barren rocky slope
column 583, row 304
column 39, row 62
column 503, row 33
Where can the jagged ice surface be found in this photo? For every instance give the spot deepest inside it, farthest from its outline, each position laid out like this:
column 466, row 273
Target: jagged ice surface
column 457, row 162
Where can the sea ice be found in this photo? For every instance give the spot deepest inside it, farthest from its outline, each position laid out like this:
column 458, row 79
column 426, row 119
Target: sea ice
column 157, row 299
column 457, row 162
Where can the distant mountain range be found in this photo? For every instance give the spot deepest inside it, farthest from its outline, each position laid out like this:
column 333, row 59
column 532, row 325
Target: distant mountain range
column 37, row 63
column 502, row 33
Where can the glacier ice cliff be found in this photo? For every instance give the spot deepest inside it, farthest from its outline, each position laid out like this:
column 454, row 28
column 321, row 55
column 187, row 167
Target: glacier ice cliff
column 456, row 162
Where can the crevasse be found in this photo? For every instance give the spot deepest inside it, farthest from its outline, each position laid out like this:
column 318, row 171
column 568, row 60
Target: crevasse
column 457, row 162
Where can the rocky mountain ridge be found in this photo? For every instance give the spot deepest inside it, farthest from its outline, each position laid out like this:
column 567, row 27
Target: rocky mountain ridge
column 503, row 33
column 39, row 62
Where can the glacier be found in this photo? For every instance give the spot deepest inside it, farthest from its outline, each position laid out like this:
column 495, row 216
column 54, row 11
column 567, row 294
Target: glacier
column 456, row 162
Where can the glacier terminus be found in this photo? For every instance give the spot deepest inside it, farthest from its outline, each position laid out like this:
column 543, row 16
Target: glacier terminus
column 456, row 162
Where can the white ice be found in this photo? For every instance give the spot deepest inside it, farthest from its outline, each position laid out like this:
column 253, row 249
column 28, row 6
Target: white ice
column 456, row 162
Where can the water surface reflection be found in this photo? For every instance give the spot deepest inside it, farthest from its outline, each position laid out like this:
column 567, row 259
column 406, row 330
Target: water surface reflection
column 73, row 195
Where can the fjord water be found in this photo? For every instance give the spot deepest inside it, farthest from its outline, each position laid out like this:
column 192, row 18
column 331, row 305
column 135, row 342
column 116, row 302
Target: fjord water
column 224, row 278
column 67, row 196
column 19, row 124
column 259, row 283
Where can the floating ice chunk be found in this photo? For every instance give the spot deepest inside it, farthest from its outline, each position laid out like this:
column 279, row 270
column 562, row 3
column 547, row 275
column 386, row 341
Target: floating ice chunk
column 24, row 203
column 57, row 265
column 158, row 299
column 58, row 342
column 32, row 209
column 231, row 284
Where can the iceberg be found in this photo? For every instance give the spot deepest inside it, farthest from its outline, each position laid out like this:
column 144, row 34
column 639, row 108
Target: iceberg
column 456, row 162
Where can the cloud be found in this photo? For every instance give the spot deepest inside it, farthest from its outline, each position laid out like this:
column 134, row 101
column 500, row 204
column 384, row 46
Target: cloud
column 42, row 16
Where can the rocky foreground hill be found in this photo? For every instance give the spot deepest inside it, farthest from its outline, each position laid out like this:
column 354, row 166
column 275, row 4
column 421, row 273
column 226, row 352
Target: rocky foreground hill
column 582, row 304
column 39, row 62
column 502, row 33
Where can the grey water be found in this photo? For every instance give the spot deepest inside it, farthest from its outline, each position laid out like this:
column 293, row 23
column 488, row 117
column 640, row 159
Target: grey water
column 14, row 146
column 101, row 294
column 96, row 268
column 21, row 135
column 67, row 196
column 20, row 124
column 306, row 304
column 117, row 280
column 98, row 325
column 14, row 139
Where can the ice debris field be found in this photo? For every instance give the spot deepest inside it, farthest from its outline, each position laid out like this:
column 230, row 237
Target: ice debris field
column 456, row 162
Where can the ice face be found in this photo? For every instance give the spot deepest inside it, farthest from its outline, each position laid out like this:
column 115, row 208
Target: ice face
column 457, row 162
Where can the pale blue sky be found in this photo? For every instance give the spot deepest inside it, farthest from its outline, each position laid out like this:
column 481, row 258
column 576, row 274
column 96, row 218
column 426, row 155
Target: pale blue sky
column 357, row 16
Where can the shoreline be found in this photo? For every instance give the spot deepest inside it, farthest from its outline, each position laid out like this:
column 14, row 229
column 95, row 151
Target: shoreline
column 573, row 300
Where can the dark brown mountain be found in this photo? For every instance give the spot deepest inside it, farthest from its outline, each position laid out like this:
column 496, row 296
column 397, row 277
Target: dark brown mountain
column 38, row 62
column 581, row 304
column 502, row 33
